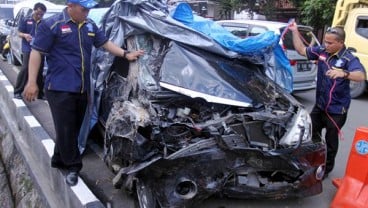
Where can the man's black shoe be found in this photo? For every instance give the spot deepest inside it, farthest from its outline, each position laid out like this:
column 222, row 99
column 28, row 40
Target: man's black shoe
column 18, row 96
column 71, row 178
column 56, row 164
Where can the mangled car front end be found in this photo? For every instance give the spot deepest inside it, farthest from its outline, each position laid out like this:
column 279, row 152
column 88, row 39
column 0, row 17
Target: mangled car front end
column 184, row 123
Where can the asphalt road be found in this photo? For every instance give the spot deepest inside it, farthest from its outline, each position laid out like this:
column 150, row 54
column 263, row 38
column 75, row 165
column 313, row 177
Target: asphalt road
column 357, row 117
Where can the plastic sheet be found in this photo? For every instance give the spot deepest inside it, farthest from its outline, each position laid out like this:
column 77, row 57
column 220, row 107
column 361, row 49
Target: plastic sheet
column 127, row 18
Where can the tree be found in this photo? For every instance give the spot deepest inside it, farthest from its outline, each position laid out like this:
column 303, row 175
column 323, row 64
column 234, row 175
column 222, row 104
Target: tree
column 318, row 13
column 298, row 3
column 227, row 7
column 267, row 7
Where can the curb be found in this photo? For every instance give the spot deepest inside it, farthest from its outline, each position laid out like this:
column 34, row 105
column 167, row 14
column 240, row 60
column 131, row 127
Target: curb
column 36, row 148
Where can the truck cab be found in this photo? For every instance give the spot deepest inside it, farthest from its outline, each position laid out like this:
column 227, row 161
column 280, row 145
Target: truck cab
column 353, row 16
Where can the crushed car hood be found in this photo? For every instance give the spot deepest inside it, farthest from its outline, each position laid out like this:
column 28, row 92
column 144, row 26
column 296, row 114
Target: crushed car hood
column 134, row 17
column 198, row 114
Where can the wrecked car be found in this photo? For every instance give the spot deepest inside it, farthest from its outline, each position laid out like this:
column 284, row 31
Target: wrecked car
column 192, row 118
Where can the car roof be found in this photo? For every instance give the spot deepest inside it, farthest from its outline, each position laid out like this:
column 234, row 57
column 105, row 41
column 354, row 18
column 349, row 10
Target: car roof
column 6, row 5
column 6, row 11
column 271, row 25
column 257, row 22
column 96, row 14
column 31, row 3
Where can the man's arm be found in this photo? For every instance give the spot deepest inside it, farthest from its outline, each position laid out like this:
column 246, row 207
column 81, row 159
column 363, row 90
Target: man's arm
column 357, row 76
column 26, row 36
column 297, row 41
column 22, row 28
column 117, row 51
column 31, row 90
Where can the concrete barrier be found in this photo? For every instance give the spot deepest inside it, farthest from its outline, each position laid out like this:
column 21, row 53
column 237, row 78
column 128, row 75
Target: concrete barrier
column 36, row 148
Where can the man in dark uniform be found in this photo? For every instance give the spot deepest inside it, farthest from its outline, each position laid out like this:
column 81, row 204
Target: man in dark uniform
column 67, row 39
column 336, row 67
column 27, row 30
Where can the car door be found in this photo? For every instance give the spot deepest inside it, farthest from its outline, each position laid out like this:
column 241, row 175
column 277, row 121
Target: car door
column 15, row 40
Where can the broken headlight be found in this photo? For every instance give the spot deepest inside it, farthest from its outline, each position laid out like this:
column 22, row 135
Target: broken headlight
column 300, row 130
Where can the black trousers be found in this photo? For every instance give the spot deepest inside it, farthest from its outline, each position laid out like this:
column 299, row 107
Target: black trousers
column 321, row 120
column 22, row 77
column 67, row 111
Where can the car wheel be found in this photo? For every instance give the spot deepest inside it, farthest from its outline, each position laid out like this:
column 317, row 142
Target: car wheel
column 357, row 88
column 13, row 59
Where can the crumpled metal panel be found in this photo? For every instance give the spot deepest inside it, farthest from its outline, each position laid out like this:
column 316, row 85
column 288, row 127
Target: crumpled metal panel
column 190, row 119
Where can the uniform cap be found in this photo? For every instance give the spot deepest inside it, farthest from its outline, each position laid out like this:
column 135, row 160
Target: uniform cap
column 84, row 3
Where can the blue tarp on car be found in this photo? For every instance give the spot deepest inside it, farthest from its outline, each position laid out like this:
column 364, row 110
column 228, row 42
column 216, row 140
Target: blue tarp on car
column 131, row 18
column 258, row 47
column 198, row 115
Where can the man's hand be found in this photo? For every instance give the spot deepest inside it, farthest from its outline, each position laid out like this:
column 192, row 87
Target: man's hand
column 28, row 37
column 134, row 55
column 335, row 73
column 293, row 26
column 30, row 92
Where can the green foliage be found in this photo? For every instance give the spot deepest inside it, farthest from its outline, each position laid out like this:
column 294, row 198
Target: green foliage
column 318, row 13
column 227, row 7
column 268, row 8
column 298, row 3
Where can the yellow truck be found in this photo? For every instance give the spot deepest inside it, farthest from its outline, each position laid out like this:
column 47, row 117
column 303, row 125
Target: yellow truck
column 353, row 16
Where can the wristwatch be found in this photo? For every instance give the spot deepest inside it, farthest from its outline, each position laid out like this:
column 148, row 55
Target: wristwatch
column 346, row 76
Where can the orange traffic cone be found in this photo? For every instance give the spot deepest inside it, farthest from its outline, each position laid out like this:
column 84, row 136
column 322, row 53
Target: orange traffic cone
column 353, row 187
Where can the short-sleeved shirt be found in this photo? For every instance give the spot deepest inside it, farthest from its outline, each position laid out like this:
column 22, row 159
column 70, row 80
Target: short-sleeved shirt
column 27, row 25
column 333, row 94
column 68, row 47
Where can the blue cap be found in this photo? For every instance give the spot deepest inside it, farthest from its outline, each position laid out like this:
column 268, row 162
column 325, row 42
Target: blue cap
column 84, row 3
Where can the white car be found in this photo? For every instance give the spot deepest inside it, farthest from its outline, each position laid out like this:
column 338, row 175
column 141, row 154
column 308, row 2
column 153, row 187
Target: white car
column 96, row 14
column 304, row 71
column 16, row 56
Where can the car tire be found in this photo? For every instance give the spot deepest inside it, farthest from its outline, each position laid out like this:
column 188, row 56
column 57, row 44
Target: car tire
column 357, row 88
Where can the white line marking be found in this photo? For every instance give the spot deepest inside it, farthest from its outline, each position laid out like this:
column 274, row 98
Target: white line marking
column 83, row 193
column 49, row 145
column 9, row 88
column 81, row 190
column 3, row 78
column 19, row 102
column 32, row 121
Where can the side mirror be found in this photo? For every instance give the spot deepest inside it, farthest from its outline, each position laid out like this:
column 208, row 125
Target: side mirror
column 9, row 22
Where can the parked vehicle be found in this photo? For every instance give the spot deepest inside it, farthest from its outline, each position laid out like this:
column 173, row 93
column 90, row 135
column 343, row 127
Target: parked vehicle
column 96, row 14
column 304, row 71
column 5, row 49
column 353, row 16
column 191, row 118
column 15, row 41
column 6, row 13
